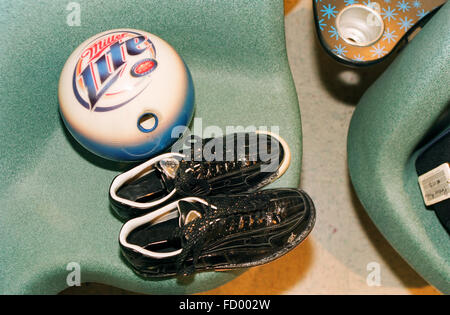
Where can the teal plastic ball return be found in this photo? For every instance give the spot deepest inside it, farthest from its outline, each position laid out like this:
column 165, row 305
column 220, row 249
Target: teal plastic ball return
column 399, row 111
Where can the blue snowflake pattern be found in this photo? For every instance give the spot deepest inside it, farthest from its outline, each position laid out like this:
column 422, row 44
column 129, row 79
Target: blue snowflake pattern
column 421, row 13
column 405, row 23
column 417, row 4
column 389, row 36
column 318, row 0
column 403, row 6
column 350, row 2
column 378, row 51
column 334, row 33
column 340, row 50
column 369, row 4
column 358, row 57
column 387, row 1
column 329, row 11
column 322, row 24
column 389, row 13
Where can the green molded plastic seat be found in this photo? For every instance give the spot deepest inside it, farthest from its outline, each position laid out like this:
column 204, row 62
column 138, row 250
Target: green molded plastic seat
column 53, row 193
column 393, row 118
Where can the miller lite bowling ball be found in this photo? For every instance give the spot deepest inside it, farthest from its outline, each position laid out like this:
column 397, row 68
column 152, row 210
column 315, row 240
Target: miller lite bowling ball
column 123, row 93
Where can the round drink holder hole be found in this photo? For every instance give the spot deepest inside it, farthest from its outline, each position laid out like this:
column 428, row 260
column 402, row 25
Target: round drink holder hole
column 359, row 25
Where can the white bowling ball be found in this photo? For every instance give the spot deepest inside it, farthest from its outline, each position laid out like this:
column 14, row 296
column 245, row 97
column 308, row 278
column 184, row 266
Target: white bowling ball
column 123, row 92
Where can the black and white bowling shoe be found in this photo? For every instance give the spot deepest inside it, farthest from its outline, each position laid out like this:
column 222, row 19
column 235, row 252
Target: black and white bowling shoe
column 217, row 232
column 235, row 163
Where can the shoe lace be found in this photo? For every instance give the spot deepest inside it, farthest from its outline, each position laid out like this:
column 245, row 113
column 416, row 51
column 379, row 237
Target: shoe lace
column 196, row 177
column 208, row 170
column 232, row 218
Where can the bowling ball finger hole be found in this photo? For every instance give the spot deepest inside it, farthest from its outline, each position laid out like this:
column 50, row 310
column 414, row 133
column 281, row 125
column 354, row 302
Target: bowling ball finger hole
column 147, row 122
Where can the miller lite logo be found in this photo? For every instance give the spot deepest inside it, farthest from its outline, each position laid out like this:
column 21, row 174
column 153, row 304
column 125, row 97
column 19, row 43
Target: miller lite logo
column 113, row 69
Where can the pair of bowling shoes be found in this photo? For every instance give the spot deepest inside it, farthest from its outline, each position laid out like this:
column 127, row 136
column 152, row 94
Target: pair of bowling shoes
column 201, row 208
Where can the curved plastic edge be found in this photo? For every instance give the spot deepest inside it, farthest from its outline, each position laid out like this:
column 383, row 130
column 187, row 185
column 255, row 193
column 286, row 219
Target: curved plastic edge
column 388, row 124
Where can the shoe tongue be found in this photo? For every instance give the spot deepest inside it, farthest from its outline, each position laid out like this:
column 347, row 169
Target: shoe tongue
column 168, row 167
column 189, row 211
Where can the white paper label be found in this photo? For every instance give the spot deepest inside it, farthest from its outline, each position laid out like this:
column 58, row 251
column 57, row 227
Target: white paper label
column 435, row 184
